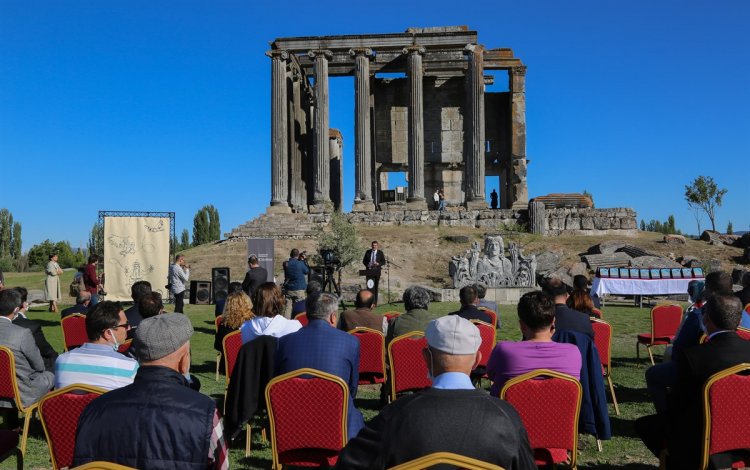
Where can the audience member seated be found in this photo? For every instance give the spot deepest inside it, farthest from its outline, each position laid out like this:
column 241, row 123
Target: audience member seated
column 133, row 314
column 451, row 416
column 481, row 293
column 362, row 315
column 744, row 296
column 233, row 287
column 97, row 362
column 83, row 299
column 237, row 310
column 34, row 380
column 581, row 283
column 150, row 305
column 469, row 311
column 157, row 421
column 682, row 428
column 49, row 355
column 320, row 345
column 417, row 316
column 536, row 318
column 580, row 301
column 565, row 317
column 313, row 287
column 268, row 307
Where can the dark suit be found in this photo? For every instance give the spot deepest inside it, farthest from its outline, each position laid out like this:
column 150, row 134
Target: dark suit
column 471, row 312
column 134, row 319
column 49, row 355
column 380, row 259
column 572, row 320
column 253, row 279
column 684, row 407
column 77, row 308
column 322, row 347
column 351, row 319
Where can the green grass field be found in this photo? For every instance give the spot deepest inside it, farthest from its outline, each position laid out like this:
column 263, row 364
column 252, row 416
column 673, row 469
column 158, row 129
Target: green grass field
column 624, row 451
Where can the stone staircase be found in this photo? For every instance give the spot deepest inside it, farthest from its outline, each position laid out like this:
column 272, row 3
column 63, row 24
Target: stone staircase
column 279, row 226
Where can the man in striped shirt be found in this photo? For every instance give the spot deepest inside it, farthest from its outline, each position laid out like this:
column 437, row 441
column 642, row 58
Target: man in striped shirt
column 97, row 362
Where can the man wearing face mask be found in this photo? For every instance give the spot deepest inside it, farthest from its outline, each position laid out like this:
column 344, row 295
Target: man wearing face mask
column 173, row 427
column 460, row 418
column 33, row 380
column 97, row 362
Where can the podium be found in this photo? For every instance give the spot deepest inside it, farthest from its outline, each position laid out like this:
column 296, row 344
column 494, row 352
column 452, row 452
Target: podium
column 372, row 278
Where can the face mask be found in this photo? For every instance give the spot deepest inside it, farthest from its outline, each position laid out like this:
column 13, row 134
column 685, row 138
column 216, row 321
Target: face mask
column 115, row 346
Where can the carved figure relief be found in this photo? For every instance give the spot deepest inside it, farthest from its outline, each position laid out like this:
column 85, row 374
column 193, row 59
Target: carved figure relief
column 491, row 267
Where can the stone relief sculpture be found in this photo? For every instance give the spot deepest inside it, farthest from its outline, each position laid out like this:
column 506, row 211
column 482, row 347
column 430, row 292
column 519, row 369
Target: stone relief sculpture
column 491, row 267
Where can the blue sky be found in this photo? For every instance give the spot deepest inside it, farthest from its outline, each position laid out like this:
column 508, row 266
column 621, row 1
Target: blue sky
column 165, row 105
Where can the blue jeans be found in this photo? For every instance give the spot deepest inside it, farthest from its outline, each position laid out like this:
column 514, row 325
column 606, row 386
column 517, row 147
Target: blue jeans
column 441, row 205
column 94, row 299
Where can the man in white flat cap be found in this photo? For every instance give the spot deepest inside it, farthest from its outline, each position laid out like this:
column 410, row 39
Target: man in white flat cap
column 451, row 416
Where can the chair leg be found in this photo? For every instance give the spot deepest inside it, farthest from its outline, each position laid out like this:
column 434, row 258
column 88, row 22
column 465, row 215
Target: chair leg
column 650, row 354
column 263, row 436
column 19, row 459
column 218, row 359
column 612, row 391
column 599, row 444
column 25, row 432
column 248, row 439
column 638, row 351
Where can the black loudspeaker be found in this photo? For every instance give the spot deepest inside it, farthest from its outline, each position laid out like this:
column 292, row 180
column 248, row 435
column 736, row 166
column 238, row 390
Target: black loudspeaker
column 317, row 274
column 200, row 292
column 220, row 278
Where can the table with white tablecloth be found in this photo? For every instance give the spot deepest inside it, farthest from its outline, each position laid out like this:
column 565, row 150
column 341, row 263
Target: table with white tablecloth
column 602, row 286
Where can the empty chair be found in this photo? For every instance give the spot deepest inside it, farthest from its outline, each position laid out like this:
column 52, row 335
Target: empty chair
column 665, row 319
column 603, row 341
column 408, row 371
column 74, row 330
column 371, row 355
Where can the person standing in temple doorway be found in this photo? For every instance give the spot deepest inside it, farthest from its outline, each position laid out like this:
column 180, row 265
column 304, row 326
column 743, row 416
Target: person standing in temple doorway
column 436, row 198
column 493, row 199
column 441, row 198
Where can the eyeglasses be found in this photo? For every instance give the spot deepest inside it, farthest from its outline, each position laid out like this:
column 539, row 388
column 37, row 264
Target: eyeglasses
column 125, row 325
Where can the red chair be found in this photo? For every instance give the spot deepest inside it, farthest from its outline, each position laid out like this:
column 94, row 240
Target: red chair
column 390, row 316
column 59, row 412
column 231, row 345
column 487, row 332
column 74, row 330
column 9, row 446
column 726, row 414
column 549, row 404
column 302, row 318
column 455, row 460
column 371, row 355
column 596, row 313
column 311, row 434
column 665, row 319
column 9, row 391
column 603, row 342
column 408, row 371
column 123, row 348
column 217, row 322
column 100, row 465
column 744, row 333
column 491, row 313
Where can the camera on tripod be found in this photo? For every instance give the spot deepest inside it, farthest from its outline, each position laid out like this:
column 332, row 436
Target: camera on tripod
column 329, row 257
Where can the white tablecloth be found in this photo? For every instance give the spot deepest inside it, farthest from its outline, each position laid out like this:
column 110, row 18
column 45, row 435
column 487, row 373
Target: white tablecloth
column 603, row 286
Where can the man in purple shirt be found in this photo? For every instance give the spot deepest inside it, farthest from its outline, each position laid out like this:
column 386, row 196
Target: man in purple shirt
column 536, row 315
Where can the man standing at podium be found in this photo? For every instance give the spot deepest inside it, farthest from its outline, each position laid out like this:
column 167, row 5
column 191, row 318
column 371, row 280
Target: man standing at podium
column 374, row 259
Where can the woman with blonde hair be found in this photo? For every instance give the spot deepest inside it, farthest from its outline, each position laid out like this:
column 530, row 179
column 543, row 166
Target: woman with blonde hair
column 268, row 306
column 237, row 310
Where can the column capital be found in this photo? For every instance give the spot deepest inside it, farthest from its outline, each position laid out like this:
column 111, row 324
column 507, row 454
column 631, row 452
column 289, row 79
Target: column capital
column 328, row 54
column 365, row 51
column 518, row 71
column 413, row 50
column 473, row 49
column 278, row 54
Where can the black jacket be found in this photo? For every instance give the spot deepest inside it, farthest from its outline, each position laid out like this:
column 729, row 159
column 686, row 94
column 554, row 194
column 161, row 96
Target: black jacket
column 572, row 320
column 77, row 308
column 253, row 279
column 49, row 355
column 379, row 258
column 473, row 313
column 465, row 422
column 157, row 422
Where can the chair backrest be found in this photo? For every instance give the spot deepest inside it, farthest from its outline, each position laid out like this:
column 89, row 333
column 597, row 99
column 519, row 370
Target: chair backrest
column 371, row 351
column 100, row 465
column 231, row 345
column 8, row 384
column 314, row 432
column 59, row 412
column 603, row 342
column 744, row 333
column 217, row 322
column 448, row 458
column 302, row 318
column 487, row 333
column 491, row 313
column 533, row 395
column 726, row 413
column 391, row 315
column 665, row 319
column 123, row 348
column 74, row 330
column 408, row 370
column 596, row 312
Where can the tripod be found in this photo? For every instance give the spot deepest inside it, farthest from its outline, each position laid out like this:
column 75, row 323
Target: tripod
column 329, row 280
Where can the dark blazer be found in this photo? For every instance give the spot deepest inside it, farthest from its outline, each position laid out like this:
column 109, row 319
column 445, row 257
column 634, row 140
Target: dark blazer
column 322, row 347
column 49, row 355
column 465, row 422
column 77, row 308
column 572, row 320
column 472, row 313
column 379, row 258
column 254, row 278
column 684, row 407
column 351, row 319
column 134, row 318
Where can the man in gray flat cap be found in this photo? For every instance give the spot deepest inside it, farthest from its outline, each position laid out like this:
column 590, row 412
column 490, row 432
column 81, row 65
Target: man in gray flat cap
column 158, row 421
column 451, row 416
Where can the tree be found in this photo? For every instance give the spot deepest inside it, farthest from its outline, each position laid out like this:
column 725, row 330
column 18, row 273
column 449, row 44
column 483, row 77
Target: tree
column 15, row 246
column 184, row 240
column 96, row 239
column 6, row 226
column 200, row 228
column 214, row 226
column 730, row 229
column 341, row 237
column 39, row 254
column 704, row 194
column 643, row 225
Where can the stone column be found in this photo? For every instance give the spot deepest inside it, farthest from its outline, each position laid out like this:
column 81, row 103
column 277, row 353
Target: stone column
column 415, row 197
column 279, row 137
column 363, row 163
column 519, row 194
column 537, row 218
column 475, row 197
column 321, row 164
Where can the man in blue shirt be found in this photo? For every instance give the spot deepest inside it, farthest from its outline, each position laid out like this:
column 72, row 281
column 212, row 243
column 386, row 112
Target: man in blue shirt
column 295, row 283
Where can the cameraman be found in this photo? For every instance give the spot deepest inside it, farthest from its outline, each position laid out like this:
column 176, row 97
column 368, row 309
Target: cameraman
column 295, row 280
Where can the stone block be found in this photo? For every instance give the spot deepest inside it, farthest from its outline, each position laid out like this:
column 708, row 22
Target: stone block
column 578, row 269
column 573, row 223
column 674, row 239
column 547, row 262
column 587, row 223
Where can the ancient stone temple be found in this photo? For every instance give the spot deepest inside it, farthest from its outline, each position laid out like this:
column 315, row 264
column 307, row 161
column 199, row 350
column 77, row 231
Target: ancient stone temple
column 420, row 108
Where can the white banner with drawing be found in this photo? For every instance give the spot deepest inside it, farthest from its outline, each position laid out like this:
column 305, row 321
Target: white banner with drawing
column 135, row 249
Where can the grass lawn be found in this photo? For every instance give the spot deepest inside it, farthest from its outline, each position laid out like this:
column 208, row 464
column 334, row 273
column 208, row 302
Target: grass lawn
column 624, row 451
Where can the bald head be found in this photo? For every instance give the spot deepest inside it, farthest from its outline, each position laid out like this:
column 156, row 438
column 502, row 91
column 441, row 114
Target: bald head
column 365, row 299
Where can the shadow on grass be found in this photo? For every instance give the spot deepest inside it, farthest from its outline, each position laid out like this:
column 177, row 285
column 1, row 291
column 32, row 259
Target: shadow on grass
column 623, row 427
column 609, row 466
column 631, row 395
column 46, row 322
column 207, row 331
column 208, row 367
